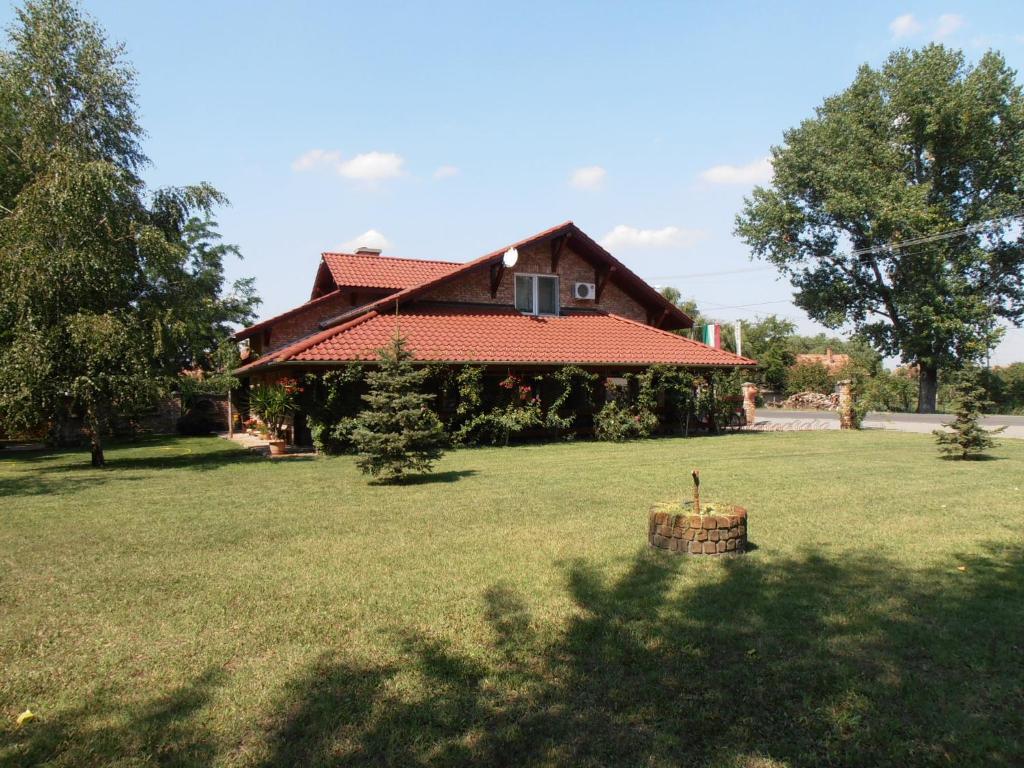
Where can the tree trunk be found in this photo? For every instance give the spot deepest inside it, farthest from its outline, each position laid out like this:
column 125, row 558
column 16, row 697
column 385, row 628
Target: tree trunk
column 927, row 387
column 95, row 440
column 97, row 452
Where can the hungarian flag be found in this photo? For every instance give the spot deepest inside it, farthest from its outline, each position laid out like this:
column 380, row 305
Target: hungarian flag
column 713, row 335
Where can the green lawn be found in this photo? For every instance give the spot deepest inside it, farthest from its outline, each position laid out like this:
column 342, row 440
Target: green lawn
column 194, row 605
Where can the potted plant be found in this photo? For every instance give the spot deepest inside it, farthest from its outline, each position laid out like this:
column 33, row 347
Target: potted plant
column 274, row 405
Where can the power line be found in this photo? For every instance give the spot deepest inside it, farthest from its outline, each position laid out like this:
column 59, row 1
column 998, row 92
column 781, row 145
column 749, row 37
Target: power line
column 711, row 274
column 744, row 306
column 891, row 245
column 969, row 229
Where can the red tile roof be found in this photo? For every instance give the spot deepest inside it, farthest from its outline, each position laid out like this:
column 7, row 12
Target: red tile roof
column 580, row 240
column 502, row 335
column 367, row 271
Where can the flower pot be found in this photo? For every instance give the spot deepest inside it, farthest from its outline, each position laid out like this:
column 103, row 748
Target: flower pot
column 277, row 447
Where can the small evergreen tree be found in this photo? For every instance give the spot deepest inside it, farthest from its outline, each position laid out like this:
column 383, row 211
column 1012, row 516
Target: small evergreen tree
column 397, row 433
column 967, row 438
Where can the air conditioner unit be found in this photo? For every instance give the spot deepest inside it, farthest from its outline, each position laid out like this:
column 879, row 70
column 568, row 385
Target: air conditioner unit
column 584, row 291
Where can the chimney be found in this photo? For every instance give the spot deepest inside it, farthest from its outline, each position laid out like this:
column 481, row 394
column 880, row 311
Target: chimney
column 365, row 251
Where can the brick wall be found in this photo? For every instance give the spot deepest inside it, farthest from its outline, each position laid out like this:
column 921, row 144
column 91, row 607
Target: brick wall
column 305, row 322
column 476, row 286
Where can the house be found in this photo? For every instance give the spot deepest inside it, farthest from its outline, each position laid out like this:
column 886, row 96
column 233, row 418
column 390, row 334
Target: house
column 831, row 361
column 565, row 300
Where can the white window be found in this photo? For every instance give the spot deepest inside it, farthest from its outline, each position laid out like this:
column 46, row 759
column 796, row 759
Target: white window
column 537, row 294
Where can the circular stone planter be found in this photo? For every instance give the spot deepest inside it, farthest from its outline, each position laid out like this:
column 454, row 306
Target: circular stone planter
column 277, row 447
column 723, row 532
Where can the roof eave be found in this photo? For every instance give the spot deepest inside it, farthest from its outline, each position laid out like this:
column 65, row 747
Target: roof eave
column 583, row 364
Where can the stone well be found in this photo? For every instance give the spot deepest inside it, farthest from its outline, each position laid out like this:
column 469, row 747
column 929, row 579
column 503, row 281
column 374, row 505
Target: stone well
column 721, row 533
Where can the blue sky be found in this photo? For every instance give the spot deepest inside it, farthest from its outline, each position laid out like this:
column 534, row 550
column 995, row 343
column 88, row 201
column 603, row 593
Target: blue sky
column 452, row 129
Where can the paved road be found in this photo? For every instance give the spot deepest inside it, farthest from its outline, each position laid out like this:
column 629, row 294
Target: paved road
column 901, row 422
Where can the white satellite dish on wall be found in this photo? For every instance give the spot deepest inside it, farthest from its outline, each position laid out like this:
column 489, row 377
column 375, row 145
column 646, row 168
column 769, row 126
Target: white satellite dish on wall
column 510, row 257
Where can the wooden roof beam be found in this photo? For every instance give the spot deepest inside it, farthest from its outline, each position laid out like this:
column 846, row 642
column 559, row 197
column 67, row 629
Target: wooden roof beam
column 601, row 275
column 557, row 244
column 497, row 272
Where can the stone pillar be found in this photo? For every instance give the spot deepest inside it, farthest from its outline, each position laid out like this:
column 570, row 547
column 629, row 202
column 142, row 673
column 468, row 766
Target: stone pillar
column 846, row 417
column 750, row 402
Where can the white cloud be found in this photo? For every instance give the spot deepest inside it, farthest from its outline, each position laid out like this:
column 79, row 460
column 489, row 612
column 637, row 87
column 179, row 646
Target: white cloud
column 372, row 166
column 904, row 26
column 446, row 172
column 948, row 24
column 752, row 173
column 624, row 236
column 588, row 177
column 316, row 158
column 369, row 166
column 371, row 238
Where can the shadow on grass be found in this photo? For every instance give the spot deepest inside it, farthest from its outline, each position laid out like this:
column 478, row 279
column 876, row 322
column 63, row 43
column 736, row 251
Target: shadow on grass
column 973, row 458
column 201, row 461
column 805, row 661
column 39, row 484
column 65, row 473
column 165, row 730
column 452, row 476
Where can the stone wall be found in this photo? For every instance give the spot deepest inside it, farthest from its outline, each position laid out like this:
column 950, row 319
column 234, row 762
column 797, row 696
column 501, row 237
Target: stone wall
column 572, row 268
column 683, row 534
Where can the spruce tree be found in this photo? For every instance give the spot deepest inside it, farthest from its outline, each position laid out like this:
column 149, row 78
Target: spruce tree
column 397, row 433
column 967, row 438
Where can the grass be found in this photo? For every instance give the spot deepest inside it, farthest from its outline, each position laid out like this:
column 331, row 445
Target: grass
column 195, row 606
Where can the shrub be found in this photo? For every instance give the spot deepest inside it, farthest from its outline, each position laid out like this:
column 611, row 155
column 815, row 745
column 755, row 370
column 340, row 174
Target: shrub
column 331, row 402
column 397, row 433
column 617, row 422
column 576, row 388
column 520, row 412
column 809, row 377
column 674, row 389
column 887, row 391
column 717, row 399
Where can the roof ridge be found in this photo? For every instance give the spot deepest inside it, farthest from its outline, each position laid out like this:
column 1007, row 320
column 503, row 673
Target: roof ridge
column 682, row 338
column 390, row 258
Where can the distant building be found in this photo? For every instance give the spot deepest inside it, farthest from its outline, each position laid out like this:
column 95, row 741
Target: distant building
column 832, row 362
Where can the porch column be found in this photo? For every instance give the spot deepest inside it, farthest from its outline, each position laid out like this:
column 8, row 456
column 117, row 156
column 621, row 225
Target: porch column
column 846, row 417
column 749, row 402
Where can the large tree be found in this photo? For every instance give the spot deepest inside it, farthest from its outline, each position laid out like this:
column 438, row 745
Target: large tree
column 105, row 290
column 767, row 340
column 926, row 145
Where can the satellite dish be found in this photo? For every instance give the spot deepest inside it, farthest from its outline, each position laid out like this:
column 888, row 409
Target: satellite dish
column 510, row 258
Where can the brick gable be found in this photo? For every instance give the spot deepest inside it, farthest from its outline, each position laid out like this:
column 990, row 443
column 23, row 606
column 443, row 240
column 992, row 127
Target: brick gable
column 475, row 287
